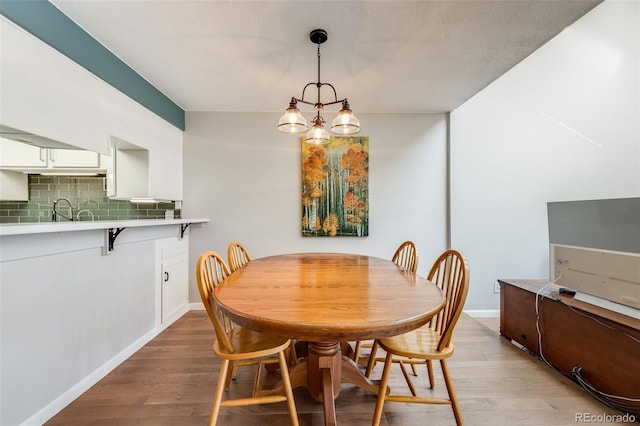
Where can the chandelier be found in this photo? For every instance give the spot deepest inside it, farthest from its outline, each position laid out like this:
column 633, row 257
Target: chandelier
column 293, row 122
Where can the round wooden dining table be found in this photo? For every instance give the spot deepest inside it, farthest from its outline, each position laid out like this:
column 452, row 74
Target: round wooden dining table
column 327, row 299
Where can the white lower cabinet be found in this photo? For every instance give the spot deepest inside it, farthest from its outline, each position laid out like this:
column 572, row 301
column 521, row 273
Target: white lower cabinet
column 173, row 264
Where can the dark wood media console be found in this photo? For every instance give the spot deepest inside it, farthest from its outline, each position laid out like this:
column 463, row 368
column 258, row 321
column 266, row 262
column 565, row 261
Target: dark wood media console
column 573, row 333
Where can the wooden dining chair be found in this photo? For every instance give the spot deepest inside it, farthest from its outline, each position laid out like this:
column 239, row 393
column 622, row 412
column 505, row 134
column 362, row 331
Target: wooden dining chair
column 431, row 342
column 405, row 256
column 213, row 271
column 237, row 345
column 237, row 256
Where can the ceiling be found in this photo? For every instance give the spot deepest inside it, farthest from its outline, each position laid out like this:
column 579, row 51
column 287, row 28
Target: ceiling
column 384, row 56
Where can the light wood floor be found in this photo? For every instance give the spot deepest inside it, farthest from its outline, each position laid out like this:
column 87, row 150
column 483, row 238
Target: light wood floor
column 171, row 382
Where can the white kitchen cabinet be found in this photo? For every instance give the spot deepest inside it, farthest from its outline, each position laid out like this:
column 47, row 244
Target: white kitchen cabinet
column 14, row 186
column 165, row 172
column 107, row 162
column 174, row 287
column 19, row 154
column 128, row 173
column 173, row 264
column 131, row 173
column 72, row 158
column 23, row 156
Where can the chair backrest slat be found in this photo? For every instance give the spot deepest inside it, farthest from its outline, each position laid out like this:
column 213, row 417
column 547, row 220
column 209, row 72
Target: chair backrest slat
column 450, row 272
column 406, row 256
column 237, row 256
column 211, row 270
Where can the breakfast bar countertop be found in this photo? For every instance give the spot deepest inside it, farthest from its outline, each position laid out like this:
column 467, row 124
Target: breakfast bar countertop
column 49, row 227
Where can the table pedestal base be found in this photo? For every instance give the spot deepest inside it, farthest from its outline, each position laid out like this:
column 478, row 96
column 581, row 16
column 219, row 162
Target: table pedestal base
column 322, row 372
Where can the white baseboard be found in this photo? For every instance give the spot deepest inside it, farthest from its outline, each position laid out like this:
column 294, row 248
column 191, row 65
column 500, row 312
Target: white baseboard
column 196, row 306
column 55, row 406
column 483, row 313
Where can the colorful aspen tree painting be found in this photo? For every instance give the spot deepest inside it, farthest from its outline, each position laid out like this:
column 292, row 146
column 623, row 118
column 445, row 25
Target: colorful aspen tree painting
column 335, row 188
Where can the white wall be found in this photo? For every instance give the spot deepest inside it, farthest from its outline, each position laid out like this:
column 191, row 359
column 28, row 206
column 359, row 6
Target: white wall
column 67, row 317
column 46, row 93
column 561, row 125
column 245, row 176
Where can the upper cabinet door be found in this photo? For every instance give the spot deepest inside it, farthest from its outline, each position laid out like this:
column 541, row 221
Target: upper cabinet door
column 73, row 158
column 18, row 154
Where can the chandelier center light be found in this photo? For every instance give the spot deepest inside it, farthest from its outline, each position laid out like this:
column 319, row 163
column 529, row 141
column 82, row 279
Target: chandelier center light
column 293, row 122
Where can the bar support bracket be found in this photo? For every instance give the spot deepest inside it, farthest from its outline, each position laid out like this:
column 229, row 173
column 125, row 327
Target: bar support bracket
column 183, row 227
column 112, row 234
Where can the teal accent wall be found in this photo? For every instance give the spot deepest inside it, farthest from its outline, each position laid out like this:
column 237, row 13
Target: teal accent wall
column 49, row 24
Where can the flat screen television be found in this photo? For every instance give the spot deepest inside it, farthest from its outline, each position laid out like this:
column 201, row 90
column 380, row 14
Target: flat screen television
column 594, row 249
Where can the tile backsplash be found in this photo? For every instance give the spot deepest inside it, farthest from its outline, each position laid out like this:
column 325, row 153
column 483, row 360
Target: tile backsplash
column 88, row 200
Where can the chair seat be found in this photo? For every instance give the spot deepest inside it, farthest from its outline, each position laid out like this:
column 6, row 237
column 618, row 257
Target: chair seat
column 421, row 343
column 251, row 344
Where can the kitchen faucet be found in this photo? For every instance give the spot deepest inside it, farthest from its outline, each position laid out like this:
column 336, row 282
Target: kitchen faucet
column 89, row 212
column 55, row 213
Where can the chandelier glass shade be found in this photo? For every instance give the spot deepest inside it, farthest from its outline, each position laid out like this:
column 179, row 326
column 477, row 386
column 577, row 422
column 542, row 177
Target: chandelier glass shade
column 293, row 122
column 318, row 135
column 345, row 123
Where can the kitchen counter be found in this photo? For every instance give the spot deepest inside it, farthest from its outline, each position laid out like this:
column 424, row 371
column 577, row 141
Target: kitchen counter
column 91, row 294
column 26, row 240
column 49, row 227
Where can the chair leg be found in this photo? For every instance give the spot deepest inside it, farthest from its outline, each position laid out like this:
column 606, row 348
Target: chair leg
column 430, row 372
column 413, row 369
column 372, row 358
column 217, row 399
column 293, row 356
column 452, row 394
column 234, row 371
column 230, row 374
column 356, row 351
column 407, row 379
column 382, row 392
column 286, row 381
column 256, row 381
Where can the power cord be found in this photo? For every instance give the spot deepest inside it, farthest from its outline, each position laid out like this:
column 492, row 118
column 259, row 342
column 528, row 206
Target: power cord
column 614, row 401
column 538, row 299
